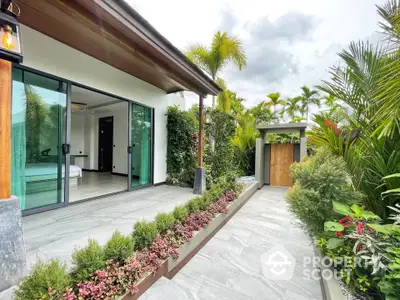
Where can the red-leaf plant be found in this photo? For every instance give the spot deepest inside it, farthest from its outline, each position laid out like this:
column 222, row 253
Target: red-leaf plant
column 198, row 220
column 161, row 249
column 115, row 280
column 357, row 231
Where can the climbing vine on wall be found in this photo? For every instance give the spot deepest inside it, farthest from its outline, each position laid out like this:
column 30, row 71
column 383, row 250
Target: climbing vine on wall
column 181, row 147
column 220, row 162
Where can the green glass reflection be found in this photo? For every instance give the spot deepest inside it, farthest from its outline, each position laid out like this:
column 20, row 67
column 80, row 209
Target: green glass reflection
column 141, row 145
column 38, row 127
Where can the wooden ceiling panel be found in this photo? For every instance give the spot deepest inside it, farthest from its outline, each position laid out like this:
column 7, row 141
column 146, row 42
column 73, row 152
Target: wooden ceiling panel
column 68, row 25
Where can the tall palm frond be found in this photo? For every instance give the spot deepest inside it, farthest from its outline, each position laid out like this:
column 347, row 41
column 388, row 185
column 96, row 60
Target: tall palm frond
column 213, row 60
column 309, row 97
column 292, row 106
column 223, row 98
column 390, row 13
column 356, row 84
column 274, row 101
column 199, row 55
column 329, row 100
column 387, row 118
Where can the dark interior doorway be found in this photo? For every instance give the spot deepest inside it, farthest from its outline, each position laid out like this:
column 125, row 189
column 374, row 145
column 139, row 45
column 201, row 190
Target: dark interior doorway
column 106, row 128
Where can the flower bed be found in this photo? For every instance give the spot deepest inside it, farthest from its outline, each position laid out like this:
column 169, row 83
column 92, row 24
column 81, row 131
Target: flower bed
column 162, row 247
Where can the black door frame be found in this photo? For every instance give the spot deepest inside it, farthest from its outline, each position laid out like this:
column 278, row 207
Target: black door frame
column 112, row 144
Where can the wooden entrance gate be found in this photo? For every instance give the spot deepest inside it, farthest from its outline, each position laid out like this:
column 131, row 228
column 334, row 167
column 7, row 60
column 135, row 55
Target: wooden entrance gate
column 282, row 156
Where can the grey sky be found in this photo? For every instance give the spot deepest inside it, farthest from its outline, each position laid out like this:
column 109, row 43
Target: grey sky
column 288, row 43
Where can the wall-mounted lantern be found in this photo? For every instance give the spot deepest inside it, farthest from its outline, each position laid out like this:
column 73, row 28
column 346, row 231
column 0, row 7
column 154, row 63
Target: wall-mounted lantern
column 10, row 33
column 207, row 116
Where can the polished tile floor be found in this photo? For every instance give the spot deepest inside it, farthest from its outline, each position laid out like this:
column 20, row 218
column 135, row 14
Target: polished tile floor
column 56, row 233
column 92, row 184
column 95, row 184
column 230, row 265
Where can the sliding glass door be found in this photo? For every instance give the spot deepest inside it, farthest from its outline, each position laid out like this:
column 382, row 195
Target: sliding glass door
column 141, row 145
column 38, row 135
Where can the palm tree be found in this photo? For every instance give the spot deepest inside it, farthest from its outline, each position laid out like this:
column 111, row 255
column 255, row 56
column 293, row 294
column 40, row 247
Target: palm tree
column 274, row 101
column 262, row 113
column 213, row 60
column 245, row 140
column 365, row 83
column 292, row 106
column 223, row 98
column 358, row 83
column 387, row 118
column 308, row 97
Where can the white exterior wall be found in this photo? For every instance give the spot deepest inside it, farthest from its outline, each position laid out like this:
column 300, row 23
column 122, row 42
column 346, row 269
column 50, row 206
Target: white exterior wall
column 48, row 55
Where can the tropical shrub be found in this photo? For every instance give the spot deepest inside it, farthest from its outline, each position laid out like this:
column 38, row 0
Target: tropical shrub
column 204, row 202
column 119, row 247
column 180, row 213
column 144, row 234
column 367, row 83
column 356, row 231
column 213, row 194
column 193, row 205
column 164, row 221
column 45, row 281
column 87, row 260
column 319, row 180
column 375, row 245
column 372, row 159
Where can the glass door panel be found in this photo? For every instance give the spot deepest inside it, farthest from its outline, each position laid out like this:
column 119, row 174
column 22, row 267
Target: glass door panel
column 38, row 133
column 141, row 129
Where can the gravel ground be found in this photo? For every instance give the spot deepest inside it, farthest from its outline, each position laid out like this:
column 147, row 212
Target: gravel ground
column 349, row 295
column 247, row 180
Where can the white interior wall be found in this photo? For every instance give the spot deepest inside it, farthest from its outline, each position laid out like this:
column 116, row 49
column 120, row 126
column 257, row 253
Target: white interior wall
column 78, row 138
column 85, row 136
column 50, row 56
column 77, row 134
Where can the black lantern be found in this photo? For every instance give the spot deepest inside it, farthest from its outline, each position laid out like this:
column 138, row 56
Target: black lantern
column 10, row 33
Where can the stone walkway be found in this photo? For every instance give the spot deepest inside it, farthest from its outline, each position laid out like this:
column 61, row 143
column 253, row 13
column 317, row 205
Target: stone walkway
column 233, row 264
column 56, row 233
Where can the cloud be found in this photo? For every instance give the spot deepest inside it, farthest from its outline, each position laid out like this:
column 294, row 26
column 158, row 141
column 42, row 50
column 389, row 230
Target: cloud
column 229, row 20
column 291, row 27
column 268, row 48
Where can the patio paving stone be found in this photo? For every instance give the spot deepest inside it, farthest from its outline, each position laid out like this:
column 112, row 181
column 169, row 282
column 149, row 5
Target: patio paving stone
column 229, row 266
